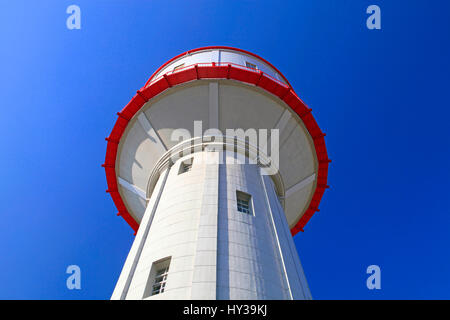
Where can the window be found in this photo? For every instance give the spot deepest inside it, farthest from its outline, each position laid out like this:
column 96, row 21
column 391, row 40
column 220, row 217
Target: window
column 178, row 66
column 186, row 166
column 244, row 202
column 157, row 280
column 160, row 281
column 251, row 65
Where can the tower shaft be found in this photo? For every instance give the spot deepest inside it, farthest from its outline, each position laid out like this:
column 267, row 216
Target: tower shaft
column 213, row 229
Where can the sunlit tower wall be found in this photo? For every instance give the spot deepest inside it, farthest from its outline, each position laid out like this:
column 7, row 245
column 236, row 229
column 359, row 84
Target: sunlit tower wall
column 214, row 214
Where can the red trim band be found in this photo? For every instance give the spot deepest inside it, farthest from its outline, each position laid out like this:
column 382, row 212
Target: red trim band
column 217, row 48
column 226, row 71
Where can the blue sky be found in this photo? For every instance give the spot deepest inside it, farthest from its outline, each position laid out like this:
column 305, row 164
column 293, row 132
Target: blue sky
column 380, row 95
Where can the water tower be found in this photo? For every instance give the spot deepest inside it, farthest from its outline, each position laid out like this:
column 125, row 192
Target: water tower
column 213, row 210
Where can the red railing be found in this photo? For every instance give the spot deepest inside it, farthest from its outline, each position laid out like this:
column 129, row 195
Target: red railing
column 215, row 64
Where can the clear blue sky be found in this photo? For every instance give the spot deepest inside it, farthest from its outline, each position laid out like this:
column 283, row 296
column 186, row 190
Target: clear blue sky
column 381, row 96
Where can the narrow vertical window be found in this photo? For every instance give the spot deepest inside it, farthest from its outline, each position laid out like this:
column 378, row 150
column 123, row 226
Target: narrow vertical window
column 186, row 166
column 157, row 280
column 244, row 202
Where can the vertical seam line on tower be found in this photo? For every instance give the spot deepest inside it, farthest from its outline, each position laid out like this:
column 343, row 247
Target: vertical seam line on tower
column 144, row 238
column 276, row 235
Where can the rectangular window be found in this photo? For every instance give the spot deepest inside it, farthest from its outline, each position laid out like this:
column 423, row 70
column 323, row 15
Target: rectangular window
column 160, row 281
column 157, row 280
column 178, row 66
column 251, row 65
column 186, row 166
column 244, row 202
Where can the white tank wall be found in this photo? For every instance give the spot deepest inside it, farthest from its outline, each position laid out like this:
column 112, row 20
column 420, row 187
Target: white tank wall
column 220, row 55
column 216, row 252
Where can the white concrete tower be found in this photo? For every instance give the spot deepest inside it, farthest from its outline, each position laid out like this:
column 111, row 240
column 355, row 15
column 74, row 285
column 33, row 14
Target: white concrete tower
column 215, row 163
